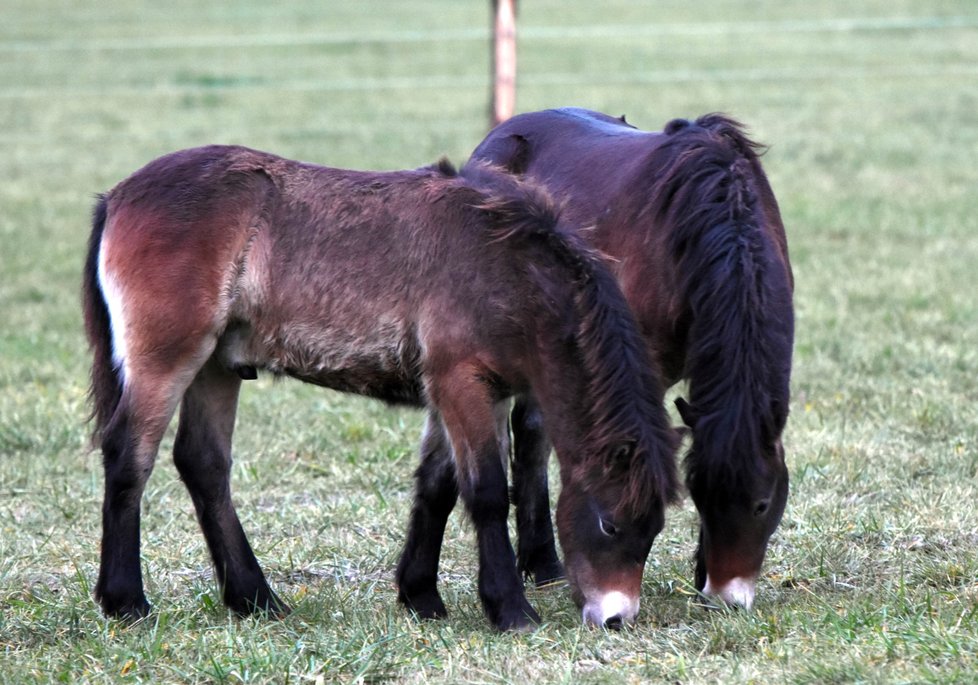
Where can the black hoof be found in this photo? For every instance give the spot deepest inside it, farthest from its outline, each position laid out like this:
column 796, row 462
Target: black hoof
column 424, row 605
column 263, row 602
column 126, row 609
column 521, row 619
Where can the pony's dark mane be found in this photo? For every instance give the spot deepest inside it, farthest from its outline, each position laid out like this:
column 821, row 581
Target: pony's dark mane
column 737, row 289
column 624, row 395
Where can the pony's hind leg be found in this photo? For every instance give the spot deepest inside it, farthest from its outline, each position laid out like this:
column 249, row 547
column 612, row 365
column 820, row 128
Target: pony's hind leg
column 202, row 453
column 129, row 446
column 436, row 492
column 536, row 548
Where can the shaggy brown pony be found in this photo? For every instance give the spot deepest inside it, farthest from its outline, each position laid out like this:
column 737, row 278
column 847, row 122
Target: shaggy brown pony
column 446, row 291
column 692, row 231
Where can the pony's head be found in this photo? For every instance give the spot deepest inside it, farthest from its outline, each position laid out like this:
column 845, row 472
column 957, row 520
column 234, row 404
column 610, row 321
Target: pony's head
column 740, row 497
column 602, row 406
column 615, row 488
column 607, row 519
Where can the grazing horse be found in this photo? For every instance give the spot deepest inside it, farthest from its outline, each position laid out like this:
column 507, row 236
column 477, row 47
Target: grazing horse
column 431, row 288
column 691, row 229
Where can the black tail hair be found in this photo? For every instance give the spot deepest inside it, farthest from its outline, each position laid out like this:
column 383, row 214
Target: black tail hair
column 105, row 390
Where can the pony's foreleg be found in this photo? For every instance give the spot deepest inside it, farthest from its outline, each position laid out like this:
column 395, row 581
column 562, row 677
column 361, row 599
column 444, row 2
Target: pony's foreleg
column 435, row 496
column 536, row 548
column 469, row 419
column 483, row 489
column 202, row 454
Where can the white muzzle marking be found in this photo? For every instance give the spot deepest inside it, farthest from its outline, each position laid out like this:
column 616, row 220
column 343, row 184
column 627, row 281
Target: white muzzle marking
column 610, row 605
column 736, row 591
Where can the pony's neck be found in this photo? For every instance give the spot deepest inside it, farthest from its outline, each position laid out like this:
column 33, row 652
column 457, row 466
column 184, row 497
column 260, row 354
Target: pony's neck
column 710, row 190
column 739, row 356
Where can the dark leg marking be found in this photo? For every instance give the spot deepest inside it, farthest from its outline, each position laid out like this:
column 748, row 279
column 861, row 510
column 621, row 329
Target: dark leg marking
column 435, row 496
column 202, row 453
column 119, row 588
column 536, row 548
column 500, row 585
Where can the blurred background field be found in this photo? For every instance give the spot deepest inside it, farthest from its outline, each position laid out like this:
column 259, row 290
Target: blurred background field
column 869, row 109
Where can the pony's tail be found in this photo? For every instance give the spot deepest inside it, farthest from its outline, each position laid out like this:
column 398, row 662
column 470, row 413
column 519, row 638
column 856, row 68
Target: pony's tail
column 105, row 390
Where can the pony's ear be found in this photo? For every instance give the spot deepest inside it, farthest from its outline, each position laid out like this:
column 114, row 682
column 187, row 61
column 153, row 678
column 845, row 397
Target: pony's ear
column 514, row 151
column 621, row 455
column 773, row 424
column 687, row 412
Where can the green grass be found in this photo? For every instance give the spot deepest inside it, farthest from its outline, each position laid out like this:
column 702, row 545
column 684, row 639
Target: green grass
column 869, row 109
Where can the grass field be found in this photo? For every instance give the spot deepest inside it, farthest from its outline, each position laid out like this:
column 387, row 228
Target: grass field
column 870, row 111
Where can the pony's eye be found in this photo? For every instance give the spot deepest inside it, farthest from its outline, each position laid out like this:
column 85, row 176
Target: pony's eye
column 761, row 507
column 607, row 527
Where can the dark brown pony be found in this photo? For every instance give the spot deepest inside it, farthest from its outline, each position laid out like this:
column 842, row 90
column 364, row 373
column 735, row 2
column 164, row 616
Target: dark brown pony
column 445, row 291
column 692, row 231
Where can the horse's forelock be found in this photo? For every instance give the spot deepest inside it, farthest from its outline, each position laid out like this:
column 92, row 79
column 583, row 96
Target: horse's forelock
column 736, row 287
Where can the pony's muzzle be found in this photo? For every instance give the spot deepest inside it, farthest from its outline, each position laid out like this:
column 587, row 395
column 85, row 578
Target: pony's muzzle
column 738, row 591
column 612, row 610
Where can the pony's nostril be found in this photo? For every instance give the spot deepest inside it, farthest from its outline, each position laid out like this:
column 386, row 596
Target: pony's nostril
column 614, row 623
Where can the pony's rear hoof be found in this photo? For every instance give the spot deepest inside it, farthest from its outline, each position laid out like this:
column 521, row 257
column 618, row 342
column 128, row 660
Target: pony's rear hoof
column 425, row 606
column 127, row 610
column 264, row 603
column 525, row 619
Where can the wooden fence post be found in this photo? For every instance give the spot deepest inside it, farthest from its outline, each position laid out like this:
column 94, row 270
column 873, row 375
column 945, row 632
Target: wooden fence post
column 503, row 61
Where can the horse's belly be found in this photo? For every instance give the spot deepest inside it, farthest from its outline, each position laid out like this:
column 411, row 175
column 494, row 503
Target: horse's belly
column 367, row 380
column 384, row 364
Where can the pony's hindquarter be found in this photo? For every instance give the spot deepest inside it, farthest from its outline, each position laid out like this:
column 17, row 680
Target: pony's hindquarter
column 157, row 285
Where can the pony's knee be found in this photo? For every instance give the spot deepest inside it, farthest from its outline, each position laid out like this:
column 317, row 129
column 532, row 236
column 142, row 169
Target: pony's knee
column 486, row 496
column 437, row 486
